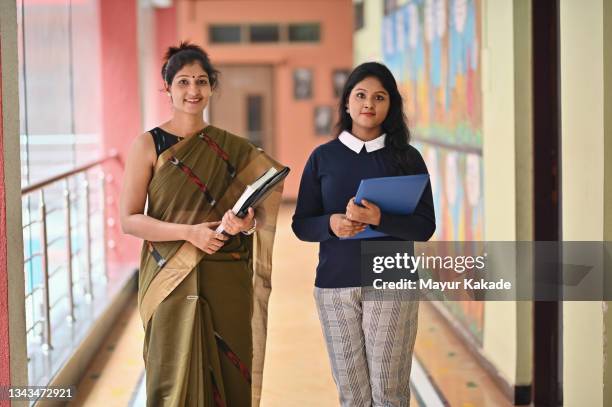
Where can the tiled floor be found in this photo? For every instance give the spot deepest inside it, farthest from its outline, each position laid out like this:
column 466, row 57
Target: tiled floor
column 455, row 372
column 114, row 374
column 297, row 370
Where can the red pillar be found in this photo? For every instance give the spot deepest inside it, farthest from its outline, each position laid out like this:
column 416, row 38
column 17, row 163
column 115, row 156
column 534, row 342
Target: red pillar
column 121, row 116
column 5, row 365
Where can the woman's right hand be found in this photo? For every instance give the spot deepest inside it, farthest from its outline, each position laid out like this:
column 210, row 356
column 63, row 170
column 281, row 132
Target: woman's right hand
column 204, row 237
column 343, row 227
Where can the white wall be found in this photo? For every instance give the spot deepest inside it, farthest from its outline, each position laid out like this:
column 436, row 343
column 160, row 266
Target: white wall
column 582, row 129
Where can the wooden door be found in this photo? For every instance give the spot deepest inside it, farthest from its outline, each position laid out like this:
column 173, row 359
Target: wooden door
column 243, row 103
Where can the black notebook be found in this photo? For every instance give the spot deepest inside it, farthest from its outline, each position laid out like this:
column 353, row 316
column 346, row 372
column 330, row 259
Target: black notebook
column 257, row 191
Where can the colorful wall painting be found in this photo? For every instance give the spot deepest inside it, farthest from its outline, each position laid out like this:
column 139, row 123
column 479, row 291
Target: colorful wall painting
column 433, row 49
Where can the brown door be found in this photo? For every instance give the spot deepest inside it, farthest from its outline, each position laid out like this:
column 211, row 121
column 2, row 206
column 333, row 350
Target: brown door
column 243, row 103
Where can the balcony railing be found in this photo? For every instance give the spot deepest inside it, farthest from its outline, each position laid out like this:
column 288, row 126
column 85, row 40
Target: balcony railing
column 65, row 259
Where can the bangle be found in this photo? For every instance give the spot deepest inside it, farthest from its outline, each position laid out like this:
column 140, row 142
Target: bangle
column 252, row 229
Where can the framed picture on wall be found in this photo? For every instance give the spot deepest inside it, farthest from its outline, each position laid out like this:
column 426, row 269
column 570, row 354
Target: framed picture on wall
column 302, row 83
column 323, row 116
column 339, row 77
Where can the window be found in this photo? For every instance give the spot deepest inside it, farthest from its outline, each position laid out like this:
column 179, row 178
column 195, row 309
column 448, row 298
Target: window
column 257, row 33
column 264, row 33
column 359, row 16
column 304, row 32
column 225, row 34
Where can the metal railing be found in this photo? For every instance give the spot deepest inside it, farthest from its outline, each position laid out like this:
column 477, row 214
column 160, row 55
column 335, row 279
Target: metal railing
column 74, row 197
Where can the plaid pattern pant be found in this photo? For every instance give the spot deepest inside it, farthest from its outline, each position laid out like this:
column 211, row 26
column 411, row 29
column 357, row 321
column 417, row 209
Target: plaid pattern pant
column 370, row 343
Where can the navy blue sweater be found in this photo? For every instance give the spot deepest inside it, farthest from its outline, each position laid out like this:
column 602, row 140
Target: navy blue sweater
column 331, row 177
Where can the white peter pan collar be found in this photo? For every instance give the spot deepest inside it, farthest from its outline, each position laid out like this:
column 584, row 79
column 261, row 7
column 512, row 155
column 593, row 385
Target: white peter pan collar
column 356, row 145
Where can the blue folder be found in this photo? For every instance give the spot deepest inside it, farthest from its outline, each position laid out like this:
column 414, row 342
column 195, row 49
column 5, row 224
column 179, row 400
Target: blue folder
column 394, row 195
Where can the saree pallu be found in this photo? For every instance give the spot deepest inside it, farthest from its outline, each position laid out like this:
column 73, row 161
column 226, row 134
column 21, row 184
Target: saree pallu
column 205, row 316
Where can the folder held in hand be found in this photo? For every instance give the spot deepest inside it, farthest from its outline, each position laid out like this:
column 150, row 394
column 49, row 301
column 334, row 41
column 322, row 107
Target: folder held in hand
column 394, row 195
column 256, row 192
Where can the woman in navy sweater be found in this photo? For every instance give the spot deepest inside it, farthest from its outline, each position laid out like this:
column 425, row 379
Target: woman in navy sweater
column 369, row 342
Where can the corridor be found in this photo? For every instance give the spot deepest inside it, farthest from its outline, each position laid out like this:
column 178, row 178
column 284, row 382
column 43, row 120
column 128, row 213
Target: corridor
column 517, row 145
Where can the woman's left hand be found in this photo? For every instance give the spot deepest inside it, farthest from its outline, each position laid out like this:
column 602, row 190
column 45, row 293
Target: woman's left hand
column 233, row 225
column 368, row 213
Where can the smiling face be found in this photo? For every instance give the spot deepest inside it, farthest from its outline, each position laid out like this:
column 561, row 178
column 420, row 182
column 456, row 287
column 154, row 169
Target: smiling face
column 190, row 89
column 368, row 105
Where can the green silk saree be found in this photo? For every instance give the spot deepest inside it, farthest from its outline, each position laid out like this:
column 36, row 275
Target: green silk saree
column 205, row 316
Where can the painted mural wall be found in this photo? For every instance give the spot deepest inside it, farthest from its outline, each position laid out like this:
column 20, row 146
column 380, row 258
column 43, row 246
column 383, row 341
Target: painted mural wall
column 433, row 48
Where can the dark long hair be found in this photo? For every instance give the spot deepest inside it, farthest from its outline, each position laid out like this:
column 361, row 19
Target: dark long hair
column 395, row 124
column 185, row 54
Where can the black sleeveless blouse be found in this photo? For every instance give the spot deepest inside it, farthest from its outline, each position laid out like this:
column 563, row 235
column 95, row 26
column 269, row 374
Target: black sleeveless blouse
column 163, row 140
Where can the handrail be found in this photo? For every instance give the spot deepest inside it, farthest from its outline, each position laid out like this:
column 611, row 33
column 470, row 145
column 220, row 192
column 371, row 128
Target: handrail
column 69, row 223
column 39, row 185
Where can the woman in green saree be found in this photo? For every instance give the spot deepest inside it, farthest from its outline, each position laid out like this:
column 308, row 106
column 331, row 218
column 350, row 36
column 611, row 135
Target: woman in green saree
column 202, row 296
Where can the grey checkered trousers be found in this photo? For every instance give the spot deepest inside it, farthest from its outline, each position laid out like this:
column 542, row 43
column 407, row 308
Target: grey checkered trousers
column 370, row 343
